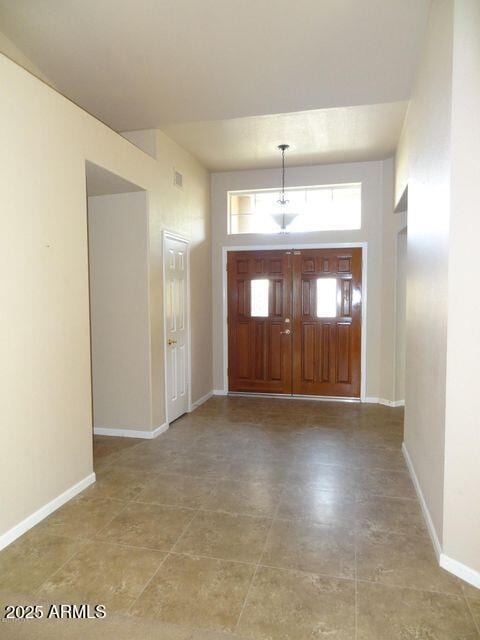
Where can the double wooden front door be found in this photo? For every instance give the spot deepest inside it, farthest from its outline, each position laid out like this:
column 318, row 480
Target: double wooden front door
column 294, row 321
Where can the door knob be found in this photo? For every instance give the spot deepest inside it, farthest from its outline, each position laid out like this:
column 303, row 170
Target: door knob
column 287, row 332
column 170, row 342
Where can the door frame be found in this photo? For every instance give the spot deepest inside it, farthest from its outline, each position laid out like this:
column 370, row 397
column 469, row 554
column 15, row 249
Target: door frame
column 293, row 245
column 172, row 235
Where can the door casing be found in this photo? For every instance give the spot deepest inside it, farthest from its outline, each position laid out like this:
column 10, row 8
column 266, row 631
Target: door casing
column 285, row 247
column 175, row 236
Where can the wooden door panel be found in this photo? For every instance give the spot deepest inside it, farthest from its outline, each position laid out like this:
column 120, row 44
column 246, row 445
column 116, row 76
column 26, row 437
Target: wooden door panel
column 275, row 351
column 260, row 353
column 326, row 350
column 321, row 356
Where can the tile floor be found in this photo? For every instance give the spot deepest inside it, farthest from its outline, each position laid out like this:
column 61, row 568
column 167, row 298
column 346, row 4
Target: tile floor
column 250, row 518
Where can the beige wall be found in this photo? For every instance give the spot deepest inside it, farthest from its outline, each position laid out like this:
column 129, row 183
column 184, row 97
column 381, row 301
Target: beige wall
column 146, row 140
column 45, row 371
column 437, row 158
column 400, row 314
column 379, row 227
column 391, row 224
column 119, row 310
column 461, row 528
column 423, row 160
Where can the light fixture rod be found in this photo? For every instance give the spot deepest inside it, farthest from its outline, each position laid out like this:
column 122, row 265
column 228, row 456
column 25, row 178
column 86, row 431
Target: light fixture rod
column 283, row 148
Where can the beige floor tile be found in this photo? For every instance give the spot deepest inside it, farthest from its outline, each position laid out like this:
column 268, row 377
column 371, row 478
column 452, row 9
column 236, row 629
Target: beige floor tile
column 470, row 591
column 401, row 515
column 201, row 465
column 336, row 453
column 31, row 559
column 314, row 503
column 248, row 470
column 116, row 626
column 82, row 517
column 225, row 536
column 106, row 445
column 219, row 444
column 200, row 592
column 163, row 446
column 380, row 458
column 147, row 525
column 380, row 482
column 329, row 421
column 152, row 460
column 329, row 477
column 250, row 498
column 402, row 560
column 407, row 614
column 286, row 605
column 306, row 546
column 312, row 438
column 371, row 437
column 280, row 453
column 103, row 573
column 328, row 473
column 201, row 634
column 176, row 490
column 120, row 483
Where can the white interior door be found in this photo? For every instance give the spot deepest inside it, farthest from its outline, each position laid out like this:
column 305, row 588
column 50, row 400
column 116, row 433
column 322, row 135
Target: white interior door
column 176, row 325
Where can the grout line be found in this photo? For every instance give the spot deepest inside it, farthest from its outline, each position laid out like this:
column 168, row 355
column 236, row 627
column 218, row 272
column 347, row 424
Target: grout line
column 189, row 554
column 452, row 594
column 161, row 563
column 185, row 529
column 477, row 624
column 142, row 591
column 39, row 588
column 96, row 534
column 260, row 558
column 318, row 574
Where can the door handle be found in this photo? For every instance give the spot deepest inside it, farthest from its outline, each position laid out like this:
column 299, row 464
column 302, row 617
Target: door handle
column 287, row 332
column 170, row 342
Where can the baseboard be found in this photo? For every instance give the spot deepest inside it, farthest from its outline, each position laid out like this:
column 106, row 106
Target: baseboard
column 426, row 514
column 392, row 403
column 368, row 399
column 131, row 433
column 386, row 403
column 460, row 570
column 33, row 519
column 201, row 400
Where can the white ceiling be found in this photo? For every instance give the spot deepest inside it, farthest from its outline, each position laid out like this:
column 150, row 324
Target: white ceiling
column 139, row 64
column 348, row 134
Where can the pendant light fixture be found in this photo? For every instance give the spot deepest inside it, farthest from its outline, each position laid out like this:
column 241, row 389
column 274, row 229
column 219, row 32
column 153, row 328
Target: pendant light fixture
column 283, row 217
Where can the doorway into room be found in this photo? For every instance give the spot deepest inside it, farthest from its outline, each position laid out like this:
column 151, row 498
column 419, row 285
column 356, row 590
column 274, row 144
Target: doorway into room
column 294, row 321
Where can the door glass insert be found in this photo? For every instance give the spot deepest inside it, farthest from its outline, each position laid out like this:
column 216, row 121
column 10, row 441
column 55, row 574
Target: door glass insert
column 259, row 298
column 326, row 297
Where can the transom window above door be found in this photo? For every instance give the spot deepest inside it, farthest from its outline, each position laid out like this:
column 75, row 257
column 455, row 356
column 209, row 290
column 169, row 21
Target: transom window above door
column 319, row 208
